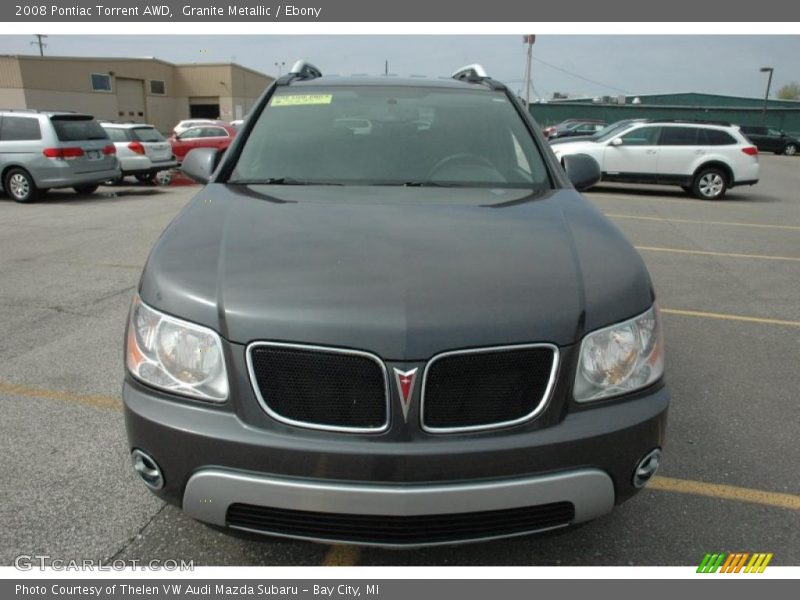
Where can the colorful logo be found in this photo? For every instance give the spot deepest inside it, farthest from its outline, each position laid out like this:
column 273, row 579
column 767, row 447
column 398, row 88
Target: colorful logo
column 405, row 385
column 738, row 562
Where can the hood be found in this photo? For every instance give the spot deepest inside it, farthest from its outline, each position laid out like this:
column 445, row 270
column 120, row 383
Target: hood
column 401, row 272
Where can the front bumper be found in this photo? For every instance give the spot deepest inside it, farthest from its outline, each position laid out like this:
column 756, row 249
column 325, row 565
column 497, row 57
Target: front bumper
column 211, row 459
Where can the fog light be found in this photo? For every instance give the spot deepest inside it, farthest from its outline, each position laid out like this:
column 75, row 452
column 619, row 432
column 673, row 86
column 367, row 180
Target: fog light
column 148, row 470
column 646, row 468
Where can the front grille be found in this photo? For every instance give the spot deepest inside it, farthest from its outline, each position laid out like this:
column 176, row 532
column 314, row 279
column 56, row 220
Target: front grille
column 321, row 388
column 393, row 530
column 478, row 389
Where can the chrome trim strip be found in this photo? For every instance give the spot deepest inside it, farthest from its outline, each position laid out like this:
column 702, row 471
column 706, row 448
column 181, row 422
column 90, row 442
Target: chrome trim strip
column 329, row 350
column 210, row 492
column 536, row 411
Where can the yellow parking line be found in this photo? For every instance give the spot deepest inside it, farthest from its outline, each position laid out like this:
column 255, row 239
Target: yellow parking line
column 723, row 254
column 730, row 223
column 725, row 492
column 727, row 317
column 342, row 556
column 95, row 401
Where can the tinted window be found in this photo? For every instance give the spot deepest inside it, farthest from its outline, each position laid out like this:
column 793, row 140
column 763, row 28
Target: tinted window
column 147, row 134
column 19, row 129
column 101, row 83
column 376, row 135
column 214, row 132
column 754, row 129
column 643, row 136
column 73, row 129
column 715, row 137
column 190, row 134
column 774, row 132
column 679, row 136
column 117, row 135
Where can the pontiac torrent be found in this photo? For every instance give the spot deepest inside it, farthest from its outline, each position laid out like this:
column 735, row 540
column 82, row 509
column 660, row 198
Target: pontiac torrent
column 389, row 318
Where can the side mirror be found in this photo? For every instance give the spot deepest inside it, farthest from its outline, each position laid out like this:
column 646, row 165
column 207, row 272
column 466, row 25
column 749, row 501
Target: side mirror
column 582, row 170
column 199, row 164
column 616, row 142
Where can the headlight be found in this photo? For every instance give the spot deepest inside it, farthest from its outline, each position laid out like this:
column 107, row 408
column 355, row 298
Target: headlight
column 174, row 355
column 621, row 358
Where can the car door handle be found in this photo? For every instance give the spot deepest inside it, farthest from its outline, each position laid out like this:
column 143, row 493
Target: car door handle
column 699, row 151
column 651, row 152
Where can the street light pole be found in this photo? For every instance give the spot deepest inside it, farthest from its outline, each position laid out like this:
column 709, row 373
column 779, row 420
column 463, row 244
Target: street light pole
column 766, row 96
column 280, row 66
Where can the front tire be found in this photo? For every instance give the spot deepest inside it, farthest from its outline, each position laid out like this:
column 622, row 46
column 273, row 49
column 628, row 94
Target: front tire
column 89, row 188
column 710, row 183
column 790, row 149
column 19, row 185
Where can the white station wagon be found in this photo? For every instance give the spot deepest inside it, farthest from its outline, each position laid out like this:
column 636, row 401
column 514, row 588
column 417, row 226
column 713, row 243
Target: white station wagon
column 704, row 159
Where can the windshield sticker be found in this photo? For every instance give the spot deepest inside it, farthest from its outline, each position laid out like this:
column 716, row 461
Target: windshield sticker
column 302, row 100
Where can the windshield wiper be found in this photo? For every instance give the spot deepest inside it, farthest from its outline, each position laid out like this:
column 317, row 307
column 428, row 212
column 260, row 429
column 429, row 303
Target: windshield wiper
column 278, row 181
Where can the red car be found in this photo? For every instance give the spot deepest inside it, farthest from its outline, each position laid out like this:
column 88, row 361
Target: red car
column 202, row 136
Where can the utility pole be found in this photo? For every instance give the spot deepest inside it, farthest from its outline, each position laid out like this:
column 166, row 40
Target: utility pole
column 529, row 39
column 40, row 43
column 386, row 68
column 766, row 96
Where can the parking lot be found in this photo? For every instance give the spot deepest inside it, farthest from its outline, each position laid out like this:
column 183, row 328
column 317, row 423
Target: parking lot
column 727, row 276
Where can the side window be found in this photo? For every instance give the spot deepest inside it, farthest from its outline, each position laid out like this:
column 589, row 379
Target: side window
column 643, row 136
column 214, row 132
column 774, row 132
column 716, row 137
column 17, row 129
column 193, row 133
column 679, row 136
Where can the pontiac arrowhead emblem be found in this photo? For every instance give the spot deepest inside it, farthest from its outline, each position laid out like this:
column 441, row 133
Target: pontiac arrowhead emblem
column 405, row 387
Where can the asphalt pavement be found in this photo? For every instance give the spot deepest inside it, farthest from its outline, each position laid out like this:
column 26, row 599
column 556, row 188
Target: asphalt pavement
column 727, row 276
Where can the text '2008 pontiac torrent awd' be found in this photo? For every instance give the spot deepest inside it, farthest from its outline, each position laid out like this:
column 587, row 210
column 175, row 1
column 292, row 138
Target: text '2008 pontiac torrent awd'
column 389, row 318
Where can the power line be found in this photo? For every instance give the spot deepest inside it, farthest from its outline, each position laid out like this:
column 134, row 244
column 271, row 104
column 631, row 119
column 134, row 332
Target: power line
column 605, row 85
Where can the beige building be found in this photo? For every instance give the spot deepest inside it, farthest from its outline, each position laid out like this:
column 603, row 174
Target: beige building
column 143, row 90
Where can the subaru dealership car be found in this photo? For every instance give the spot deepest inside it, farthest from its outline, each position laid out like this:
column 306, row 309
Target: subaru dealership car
column 43, row 150
column 704, row 159
column 400, row 334
column 141, row 150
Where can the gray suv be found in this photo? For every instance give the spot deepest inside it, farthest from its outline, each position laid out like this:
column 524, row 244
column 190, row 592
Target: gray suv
column 389, row 318
column 44, row 150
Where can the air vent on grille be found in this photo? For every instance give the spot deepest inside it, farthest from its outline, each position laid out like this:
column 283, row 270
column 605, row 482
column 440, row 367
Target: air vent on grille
column 480, row 389
column 319, row 387
column 393, row 530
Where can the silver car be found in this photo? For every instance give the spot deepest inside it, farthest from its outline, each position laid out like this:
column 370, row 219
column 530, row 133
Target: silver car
column 44, row 150
column 141, row 150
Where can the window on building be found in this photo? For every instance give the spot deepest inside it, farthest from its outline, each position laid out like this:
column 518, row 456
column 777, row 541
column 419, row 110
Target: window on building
column 101, row 82
column 158, row 87
column 17, row 129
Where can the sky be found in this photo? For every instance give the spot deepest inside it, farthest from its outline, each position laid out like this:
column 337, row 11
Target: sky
column 580, row 65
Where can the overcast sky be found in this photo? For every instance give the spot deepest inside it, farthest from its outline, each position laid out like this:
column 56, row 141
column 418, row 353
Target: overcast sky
column 583, row 65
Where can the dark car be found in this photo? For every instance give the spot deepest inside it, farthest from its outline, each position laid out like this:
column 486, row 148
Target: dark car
column 414, row 331
column 767, row 139
column 617, row 126
column 577, row 128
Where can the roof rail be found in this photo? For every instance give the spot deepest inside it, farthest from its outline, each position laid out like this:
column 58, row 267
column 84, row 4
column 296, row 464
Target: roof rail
column 694, row 121
column 300, row 70
column 475, row 73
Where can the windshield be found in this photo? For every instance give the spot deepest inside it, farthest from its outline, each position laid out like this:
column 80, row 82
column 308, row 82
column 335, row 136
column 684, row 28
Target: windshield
column 391, row 135
column 611, row 131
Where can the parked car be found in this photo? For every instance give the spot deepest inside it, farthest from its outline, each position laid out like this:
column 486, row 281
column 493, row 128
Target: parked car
column 768, row 139
column 189, row 123
column 41, row 150
column 704, row 159
column 547, row 131
column 616, row 126
column 577, row 128
column 402, row 336
column 237, row 124
column 141, row 150
column 202, row 136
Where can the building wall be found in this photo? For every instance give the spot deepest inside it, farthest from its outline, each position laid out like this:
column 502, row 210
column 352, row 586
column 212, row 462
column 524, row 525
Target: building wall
column 64, row 83
column 787, row 119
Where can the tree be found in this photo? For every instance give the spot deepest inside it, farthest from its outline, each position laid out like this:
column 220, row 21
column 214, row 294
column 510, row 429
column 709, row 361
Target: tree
column 790, row 91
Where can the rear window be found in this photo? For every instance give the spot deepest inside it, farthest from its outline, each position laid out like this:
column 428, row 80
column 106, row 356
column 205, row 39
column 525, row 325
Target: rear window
column 147, row 134
column 15, row 129
column 76, row 128
column 117, row 135
column 392, row 135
